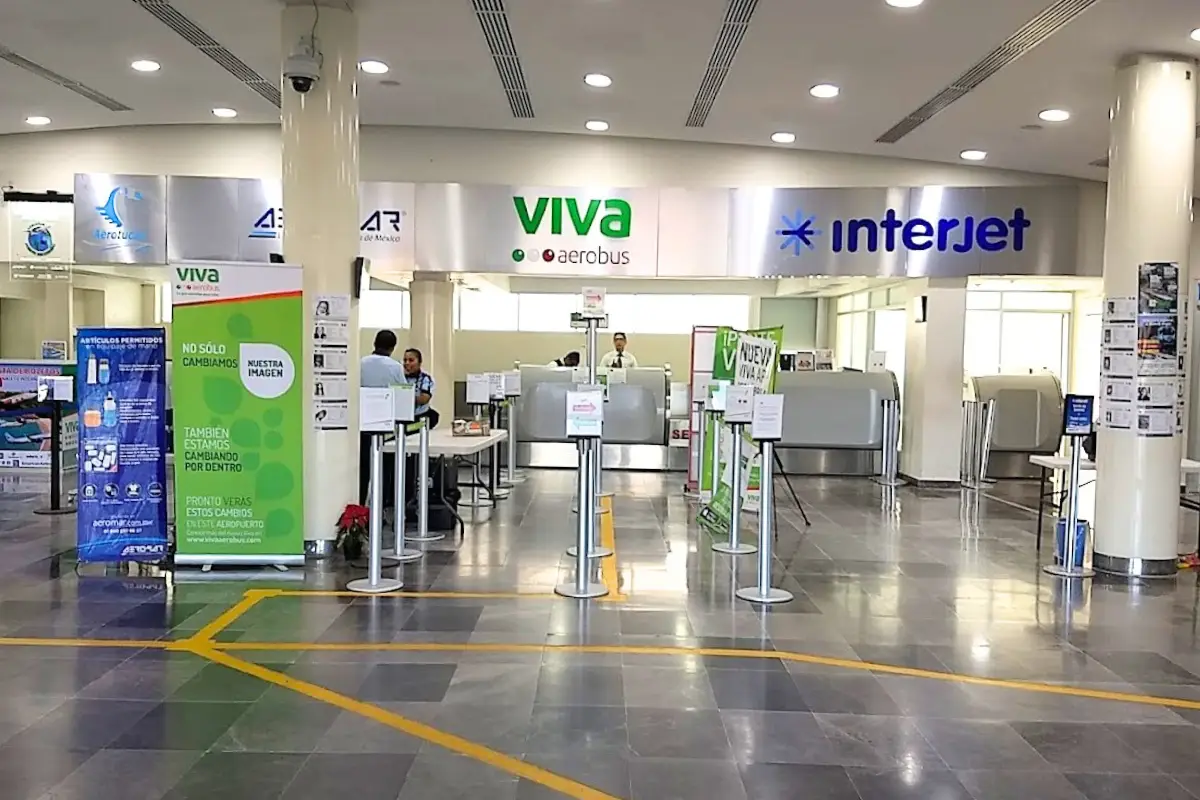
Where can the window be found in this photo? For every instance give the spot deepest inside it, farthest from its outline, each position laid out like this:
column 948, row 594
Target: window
column 382, row 308
column 546, row 313
column 165, row 310
column 487, row 311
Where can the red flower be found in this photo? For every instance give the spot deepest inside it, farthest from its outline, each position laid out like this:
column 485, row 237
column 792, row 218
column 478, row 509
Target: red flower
column 354, row 516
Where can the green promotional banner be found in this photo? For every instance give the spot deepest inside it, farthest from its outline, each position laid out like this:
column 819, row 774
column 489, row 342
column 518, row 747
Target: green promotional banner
column 743, row 358
column 238, row 413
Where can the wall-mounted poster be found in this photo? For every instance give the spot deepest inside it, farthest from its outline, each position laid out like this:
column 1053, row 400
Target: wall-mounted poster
column 1160, row 359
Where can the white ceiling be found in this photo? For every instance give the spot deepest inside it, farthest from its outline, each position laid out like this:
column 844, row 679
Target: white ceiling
column 887, row 61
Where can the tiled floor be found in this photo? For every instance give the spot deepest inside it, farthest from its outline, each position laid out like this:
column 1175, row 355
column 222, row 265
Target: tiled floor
column 552, row 696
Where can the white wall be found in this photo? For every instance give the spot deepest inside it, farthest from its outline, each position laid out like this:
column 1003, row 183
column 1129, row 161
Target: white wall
column 95, row 301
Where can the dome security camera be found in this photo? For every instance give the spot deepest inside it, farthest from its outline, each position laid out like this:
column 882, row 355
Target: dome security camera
column 303, row 67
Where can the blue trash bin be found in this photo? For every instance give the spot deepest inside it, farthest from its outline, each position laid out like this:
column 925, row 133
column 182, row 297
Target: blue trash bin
column 1060, row 544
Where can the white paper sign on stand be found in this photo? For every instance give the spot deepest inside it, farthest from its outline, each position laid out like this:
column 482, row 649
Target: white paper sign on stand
column 496, row 385
column 375, row 410
column 877, row 361
column 512, row 383
column 404, row 403
column 479, row 389
column 739, row 404
column 593, row 301
column 616, row 375
column 766, row 423
column 679, row 404
column 720, row 390
column 585, row 414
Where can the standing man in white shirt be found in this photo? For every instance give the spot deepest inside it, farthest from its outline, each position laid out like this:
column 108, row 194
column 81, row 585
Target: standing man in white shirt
column 378, row 371
column 619, row 357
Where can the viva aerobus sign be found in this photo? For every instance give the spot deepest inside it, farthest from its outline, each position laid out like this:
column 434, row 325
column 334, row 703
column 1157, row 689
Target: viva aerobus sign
column 239, row 466
column 743, row 358
column 574, row 230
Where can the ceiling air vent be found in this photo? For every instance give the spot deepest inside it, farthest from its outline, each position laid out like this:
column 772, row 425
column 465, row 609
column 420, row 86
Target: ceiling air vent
column 493, row 20
column 1037, row 30
column 193, row 34
column 738, row 14
column 83, row 90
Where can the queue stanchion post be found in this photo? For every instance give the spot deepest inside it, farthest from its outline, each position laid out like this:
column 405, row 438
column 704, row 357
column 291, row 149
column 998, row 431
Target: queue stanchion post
column 511, row 475
column 889, row 461
column 738, row 409
column 697, row 413
column 766, row 429
column 495, row 402
column 374, row 583
column 1077, row 426
column 405, row 412
column 55, row 389
column 584, row 414
column 423, row 534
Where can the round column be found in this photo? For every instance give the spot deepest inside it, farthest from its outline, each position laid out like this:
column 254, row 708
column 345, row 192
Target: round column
column 1151, row 162
column 320, row 199
column 432, row 332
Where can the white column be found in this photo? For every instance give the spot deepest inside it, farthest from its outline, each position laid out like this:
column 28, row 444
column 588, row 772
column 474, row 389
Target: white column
column 432, row 332
column 931, row 409
column 1151, row 162
column 320, row 198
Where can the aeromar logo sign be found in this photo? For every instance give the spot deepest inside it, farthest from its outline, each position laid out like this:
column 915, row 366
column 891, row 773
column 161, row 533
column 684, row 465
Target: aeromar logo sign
column 801, row 231
column 611, row 219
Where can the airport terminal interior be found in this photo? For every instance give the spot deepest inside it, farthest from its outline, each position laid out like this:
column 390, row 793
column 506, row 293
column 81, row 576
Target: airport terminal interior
column 796, row 400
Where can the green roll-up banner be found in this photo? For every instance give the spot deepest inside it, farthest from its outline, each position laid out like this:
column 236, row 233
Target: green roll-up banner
column 737, row 359
column 236, row 385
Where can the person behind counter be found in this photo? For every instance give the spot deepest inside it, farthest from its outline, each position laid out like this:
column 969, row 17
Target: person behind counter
column 377, row 371
column 423, row 385
column 619, row 357
column 571, row 359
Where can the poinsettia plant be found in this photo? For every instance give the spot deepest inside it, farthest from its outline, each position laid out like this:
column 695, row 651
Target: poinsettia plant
column 353, row 528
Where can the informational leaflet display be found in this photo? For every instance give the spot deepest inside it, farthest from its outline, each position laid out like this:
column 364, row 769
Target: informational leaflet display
column 740, row 358
column 330, row 348
column 122, row 495
column 239, row 415
column 1160, row 364
column 1118, row 362
column 25, row 421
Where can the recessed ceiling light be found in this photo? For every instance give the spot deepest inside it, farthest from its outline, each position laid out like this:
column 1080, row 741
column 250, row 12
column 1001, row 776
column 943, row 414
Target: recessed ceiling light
column 37, row 120
column 783, row 137
column 597, row 125
column 973, row 155
column 905, row 3
column 372, row 67
column 224, row 113
column 597, row 79
column 1054, row 115
column 1195, row 35
column 824, row 90
column 146, row 65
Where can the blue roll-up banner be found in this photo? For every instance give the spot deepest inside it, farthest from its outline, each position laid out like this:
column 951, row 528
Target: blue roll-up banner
column 122, row 500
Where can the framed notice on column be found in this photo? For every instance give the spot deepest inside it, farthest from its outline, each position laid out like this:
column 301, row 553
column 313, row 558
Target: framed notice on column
column 331, row 348
column 237, row 339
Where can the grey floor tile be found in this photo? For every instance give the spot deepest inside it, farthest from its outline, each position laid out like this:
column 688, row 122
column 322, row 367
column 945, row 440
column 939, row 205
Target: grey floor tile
column 661, row 687
column 1174, row 749
column 444, row 776
column 918, row 784
column 180, row 726
column 775, row 737
column 684, row 779
column 1141, row 667
column 394, row 683
column 876, row 742
column 28, row 771
column 1123, row 787
column 368, row 776
column 583, row 685
column 562, row 729
column 83, row 725
column 1013, row 785
column 604, row 771
column 678, row 733
column 279, row 724
column 968, row 744
column 493, row 684
column 237, row 775
column 125, row 775
column 845, row 694
column 501, row 727
column 797, row 782
column 1082, row 747
column 354, row 733
column 758, row 690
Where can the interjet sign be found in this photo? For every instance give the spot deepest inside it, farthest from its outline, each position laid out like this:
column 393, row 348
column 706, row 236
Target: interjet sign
column 801, row 231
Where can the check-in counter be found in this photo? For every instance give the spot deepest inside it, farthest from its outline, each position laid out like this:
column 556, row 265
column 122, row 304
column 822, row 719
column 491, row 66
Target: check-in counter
column 833, row 421
column 635, row 419
column 1028, row 420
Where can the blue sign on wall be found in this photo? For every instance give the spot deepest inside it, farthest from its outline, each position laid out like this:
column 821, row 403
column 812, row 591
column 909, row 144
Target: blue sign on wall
column 122, row 500
column 892, row 232
column 1078, row 415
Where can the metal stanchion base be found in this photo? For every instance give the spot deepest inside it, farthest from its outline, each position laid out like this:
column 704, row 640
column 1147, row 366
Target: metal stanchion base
column 753, row 595
column 894, row 483
column 734, row 550
column 428, row 537
column 571, row 590
column 1068, row 572
column 365, row 586
column 405, row 555
column 600, row 511
column 54, row 512
column 507, row 479
column 595, row 552
column 475, row 503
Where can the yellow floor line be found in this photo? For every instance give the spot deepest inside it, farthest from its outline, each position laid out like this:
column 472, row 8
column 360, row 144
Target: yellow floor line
column 131, row 644
column 456, row 744
column 609, row 574
column 862, row 666
column 249, row 600
column 427, row 595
